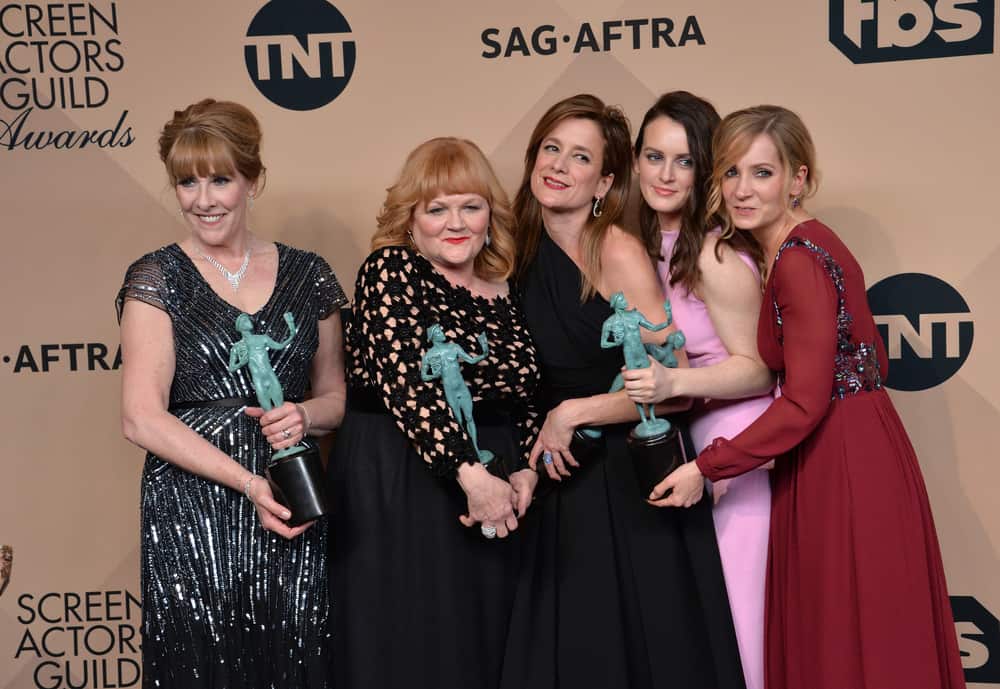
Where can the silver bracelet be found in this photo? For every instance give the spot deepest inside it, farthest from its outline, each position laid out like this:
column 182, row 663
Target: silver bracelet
column 305, row 415
column 246, row 487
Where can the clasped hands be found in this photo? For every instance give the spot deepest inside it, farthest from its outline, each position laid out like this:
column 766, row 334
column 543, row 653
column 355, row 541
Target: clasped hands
column 493, row 502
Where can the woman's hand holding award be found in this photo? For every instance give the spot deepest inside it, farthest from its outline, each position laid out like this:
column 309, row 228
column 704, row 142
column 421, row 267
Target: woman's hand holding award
column 654, row 444
column 295, row 473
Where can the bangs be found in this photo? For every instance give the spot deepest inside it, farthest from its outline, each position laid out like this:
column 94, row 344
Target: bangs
column 198, row 154
column 734, row 147
column 451, row 170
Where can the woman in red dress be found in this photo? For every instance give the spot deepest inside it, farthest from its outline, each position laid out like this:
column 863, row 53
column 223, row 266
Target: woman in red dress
column 856, row 595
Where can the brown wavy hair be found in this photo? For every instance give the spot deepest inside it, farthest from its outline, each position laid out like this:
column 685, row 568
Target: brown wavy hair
column 212, row 137
column 439, row 167
column 616, row 158
column 700, row 120
column 733, row 138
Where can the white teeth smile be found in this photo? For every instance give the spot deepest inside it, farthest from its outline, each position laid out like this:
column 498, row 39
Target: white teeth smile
column 211, row 218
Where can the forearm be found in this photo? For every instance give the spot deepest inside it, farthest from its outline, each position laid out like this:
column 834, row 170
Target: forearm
column 168, row 438
column 735, row 378
column 324, row 412
column 600, row 410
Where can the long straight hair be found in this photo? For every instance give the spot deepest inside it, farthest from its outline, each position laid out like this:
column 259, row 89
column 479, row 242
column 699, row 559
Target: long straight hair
column 700, row 120
column 616, row 158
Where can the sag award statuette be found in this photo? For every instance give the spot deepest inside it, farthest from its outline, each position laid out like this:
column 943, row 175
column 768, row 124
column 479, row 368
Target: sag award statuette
column 295, row 473
column 654, row 444
column 442, row 360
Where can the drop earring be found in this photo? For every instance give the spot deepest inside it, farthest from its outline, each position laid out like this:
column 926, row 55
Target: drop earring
column 598, row 209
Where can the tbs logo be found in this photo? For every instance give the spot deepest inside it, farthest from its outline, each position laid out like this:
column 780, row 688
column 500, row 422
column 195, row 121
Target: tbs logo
column 978, row 634
column 926, row 327
column 887, row 30
column 300, row 53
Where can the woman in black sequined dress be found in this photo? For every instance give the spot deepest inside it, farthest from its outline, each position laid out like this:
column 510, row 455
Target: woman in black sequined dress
column 232, row 596
column 423, row 602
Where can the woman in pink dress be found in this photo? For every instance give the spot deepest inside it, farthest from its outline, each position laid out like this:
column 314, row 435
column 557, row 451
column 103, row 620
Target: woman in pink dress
column 855, row 593
column 713, row 284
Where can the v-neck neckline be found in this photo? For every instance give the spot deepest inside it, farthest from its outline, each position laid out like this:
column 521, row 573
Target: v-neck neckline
column 270, row 297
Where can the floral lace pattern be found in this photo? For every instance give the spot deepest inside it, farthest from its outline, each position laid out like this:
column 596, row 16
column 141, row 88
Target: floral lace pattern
column 397, row 297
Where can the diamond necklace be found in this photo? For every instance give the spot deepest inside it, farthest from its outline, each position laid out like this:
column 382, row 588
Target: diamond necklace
column 233, row 278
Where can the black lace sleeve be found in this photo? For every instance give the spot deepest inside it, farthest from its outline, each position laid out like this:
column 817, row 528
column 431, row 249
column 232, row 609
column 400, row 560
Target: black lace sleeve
column 389, row 311
column 143, row 282
column 329, row 294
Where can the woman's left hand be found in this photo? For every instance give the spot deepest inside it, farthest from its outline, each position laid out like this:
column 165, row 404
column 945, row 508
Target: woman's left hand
column 283, row 426
column 650, row 385
column 554, row 439
column 687, row 485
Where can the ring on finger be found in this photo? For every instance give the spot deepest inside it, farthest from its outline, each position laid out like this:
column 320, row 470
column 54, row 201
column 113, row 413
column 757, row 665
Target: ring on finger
column 546, row 457
column 286, row 433
column 488, row 530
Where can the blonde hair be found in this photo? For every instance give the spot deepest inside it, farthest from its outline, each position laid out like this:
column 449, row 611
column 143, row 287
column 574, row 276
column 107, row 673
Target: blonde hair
column 212, row 137
column 616, row 158
column 733, row 138
column 442, row 166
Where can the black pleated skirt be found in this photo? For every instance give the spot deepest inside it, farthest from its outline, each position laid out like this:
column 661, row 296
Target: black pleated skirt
column 614, row 593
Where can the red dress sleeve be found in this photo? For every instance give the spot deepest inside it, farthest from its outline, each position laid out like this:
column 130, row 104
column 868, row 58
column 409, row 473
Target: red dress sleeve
column 807, row 304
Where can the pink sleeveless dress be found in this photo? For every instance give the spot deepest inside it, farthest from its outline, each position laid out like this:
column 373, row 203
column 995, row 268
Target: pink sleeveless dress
column 742, row 517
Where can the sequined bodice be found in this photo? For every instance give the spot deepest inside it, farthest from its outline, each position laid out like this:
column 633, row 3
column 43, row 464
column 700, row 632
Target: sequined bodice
column 856, row 364
column 203, row 323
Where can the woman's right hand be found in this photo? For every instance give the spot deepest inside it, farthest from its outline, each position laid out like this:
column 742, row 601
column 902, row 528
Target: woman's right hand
column 272, row 513
column 491, row 500
column 652, row 384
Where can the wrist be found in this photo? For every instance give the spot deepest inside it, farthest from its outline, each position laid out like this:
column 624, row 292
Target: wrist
column 571, row 412
column 468, row 471
column 306, row 421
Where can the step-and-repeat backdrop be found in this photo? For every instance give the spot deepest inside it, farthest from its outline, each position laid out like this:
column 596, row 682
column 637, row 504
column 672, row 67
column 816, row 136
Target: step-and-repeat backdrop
column 900, row 96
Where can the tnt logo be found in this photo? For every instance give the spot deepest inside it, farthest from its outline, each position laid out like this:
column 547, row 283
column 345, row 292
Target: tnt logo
column 300, row 54
column 886, row 30
column 926, row 327
column 978, row 640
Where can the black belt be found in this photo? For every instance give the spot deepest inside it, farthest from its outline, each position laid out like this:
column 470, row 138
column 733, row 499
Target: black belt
column 224, row 403
column 487, row 412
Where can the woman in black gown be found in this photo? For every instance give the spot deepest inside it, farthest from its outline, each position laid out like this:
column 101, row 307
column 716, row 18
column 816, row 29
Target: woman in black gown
column 225, row 602
column 613, row 592
column 423, row 602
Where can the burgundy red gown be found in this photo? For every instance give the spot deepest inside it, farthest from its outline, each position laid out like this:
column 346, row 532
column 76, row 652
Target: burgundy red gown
column 856, row 595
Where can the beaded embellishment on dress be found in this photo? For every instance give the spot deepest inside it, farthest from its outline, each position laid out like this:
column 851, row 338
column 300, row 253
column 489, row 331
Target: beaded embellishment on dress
column 855, row 366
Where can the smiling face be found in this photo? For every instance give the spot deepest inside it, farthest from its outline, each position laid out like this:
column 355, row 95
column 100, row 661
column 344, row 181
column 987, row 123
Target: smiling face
column 665, row 168
column 757, row 189
column 215, row 206
column 567, row 175
column 450, row 229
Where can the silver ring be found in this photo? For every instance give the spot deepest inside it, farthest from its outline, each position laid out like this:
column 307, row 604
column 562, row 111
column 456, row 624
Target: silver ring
column 488, row 531
column 546, row 457
column 287, row 433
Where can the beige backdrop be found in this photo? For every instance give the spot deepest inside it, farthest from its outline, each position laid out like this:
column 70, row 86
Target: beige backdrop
column 907, row 149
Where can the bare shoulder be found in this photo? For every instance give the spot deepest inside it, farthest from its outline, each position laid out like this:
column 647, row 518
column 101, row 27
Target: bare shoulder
column 720, row 262
column 621, row 249
column 626, row 266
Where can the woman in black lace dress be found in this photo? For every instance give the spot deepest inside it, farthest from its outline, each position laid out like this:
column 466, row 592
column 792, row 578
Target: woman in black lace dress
column 423, row 601
column 226, row 603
